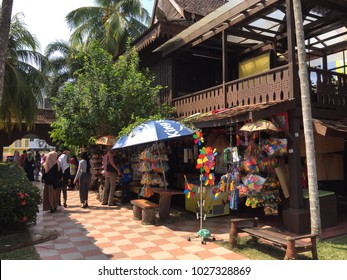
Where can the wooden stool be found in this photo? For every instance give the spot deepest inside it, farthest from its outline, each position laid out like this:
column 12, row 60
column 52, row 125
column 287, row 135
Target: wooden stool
column 144, row 210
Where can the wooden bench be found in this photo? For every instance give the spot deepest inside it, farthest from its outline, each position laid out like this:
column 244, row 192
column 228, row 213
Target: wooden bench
column 144, row 210
column 290, row 244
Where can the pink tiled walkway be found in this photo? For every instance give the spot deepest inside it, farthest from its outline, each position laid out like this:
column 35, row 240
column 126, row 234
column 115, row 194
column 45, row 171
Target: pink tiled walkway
column 103, row 233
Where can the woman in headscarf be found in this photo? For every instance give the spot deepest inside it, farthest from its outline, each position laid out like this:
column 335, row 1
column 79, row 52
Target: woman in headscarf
column 16, row 157
column 83, row 175
column 52, row 174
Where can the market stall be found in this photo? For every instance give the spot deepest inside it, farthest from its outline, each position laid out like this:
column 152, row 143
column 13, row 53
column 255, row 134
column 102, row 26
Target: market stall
column 253, row 171
column 252, row 178
column 150, row 164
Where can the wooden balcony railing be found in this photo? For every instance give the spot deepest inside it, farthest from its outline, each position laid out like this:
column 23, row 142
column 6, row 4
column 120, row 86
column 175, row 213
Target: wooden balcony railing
column 328, row 89
column 272, row 85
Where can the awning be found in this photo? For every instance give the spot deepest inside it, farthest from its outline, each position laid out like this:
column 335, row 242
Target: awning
column 336, row 128
column 240, row 113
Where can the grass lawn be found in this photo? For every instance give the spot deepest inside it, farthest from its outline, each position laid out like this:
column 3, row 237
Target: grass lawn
column 19, row 245
column 12, row 246
column 332, row 249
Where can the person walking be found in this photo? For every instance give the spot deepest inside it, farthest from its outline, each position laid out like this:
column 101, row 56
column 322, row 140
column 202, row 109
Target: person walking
column 23, row 156
column 125, row 170
column 43, row 159
column 16, row 157
column 65, row 167
column 83, row 176
column 73, row 169
column 37, row 165
column 51, row 175
column 111, row 174
column 29, row 166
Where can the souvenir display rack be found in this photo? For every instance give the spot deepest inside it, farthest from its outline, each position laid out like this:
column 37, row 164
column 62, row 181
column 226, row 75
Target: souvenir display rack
column 153, row 163
column 252, row 177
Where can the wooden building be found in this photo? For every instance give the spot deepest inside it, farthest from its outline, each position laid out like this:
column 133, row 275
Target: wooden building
column 239, row 58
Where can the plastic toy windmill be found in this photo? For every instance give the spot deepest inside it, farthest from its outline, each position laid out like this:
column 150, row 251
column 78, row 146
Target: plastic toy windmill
column 198, row 138
column 189, row 189
column 206, row 161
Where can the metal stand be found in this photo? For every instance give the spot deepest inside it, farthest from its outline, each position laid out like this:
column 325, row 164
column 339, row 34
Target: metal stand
column 203, row 233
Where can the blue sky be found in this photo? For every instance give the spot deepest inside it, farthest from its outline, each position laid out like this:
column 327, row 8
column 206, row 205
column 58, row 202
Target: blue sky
column 46, row 18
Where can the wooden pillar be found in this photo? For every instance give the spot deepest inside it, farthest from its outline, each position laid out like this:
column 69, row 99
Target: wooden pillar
column 233, row 234
column 224, row 63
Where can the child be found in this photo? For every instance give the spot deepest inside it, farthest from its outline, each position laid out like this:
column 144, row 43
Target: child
column 125, row 169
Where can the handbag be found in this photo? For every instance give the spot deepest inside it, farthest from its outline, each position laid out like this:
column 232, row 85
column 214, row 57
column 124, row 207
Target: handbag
column 60, row 184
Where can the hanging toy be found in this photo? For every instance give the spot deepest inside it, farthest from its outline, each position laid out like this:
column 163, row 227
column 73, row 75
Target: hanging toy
column 206, row 163
column 234, row 199
column 198, row 138
column 227, row 155
column 232, row 186
column 189, row 189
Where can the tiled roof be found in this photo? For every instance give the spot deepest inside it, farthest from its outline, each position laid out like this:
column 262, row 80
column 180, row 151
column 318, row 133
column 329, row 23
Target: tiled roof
column 337, row 128
column 45, row 116
column 200, row 7
column 160, row 29
column 229, row 115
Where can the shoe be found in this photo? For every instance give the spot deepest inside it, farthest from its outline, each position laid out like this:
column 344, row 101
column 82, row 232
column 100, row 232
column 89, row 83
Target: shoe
column 112, row 204
column 82, row 205
column 85, row 205
column 104, row 203
column 65, row 205
column 51, row 211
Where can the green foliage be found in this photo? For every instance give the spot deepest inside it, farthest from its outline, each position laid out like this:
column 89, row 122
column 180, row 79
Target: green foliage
column 19, row 199
column 109, row 22
column 23, row 83
column 105, row 98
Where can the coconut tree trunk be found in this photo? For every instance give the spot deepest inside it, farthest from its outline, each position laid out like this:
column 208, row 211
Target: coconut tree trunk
column 5, row 24
column 307, row 121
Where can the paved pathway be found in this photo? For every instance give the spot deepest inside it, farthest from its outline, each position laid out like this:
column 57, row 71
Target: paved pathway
column 104, row 233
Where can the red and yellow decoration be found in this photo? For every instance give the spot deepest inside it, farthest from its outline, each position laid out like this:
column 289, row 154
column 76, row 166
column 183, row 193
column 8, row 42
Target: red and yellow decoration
column 198, row 138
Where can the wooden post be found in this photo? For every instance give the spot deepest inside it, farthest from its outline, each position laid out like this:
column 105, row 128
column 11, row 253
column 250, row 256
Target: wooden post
column 290, row 252
column 224, row 57
column 233, row 234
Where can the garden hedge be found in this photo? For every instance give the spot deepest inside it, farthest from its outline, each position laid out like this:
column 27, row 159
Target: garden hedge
column 19, row 198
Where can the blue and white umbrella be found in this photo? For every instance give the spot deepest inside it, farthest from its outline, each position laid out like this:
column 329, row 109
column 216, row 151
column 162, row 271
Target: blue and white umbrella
column 153, row 131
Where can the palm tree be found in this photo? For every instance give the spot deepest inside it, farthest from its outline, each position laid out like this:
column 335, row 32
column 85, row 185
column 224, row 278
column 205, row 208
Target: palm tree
column 5, row 23
column 61, row 57
column 23, row 83
column 307, row 121
column 110, row 22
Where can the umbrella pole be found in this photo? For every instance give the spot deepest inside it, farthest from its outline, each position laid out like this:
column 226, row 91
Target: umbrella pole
column 162, row 166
